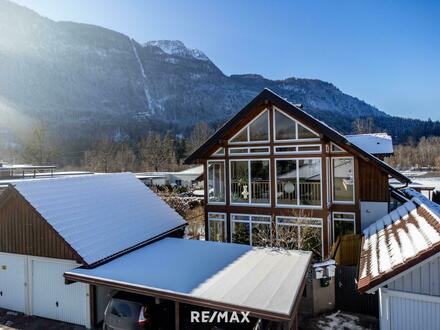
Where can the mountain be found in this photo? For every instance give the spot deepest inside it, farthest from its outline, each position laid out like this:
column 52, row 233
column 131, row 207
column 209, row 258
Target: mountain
column 83, row 79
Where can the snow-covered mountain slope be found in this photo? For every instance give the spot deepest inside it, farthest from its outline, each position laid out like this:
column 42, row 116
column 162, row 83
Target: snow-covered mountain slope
column 177, row 48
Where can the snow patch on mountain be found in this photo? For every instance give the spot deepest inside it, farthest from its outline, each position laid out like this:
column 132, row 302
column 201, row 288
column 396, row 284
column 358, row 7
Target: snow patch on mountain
column 177, row 48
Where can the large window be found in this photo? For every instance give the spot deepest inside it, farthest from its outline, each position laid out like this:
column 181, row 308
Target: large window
column 298, row 182
column 216, row 182
column 287, row 129
column 255, row 230
column 217, row 227
column 256, row 131
column 300, row 234
column 343, row 180
column 343, row 224
column 250, row 182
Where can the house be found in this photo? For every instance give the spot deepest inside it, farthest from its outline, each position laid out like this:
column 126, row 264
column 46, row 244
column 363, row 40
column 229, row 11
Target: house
column 400, row 259
column 186, row 178
column 49, row 226
column 275, row 171
column 378, row 144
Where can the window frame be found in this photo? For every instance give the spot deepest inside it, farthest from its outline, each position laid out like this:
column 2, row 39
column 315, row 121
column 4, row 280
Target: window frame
column 248, row 152
column 297, row 206
column 297, row 152
column 217, row 220
column 230, row 142
column 218, row 153
column 296, row 128
column 250, row 222
column 346, row 220
column 277, row 223
column 207, row 180
column 341, row 151
column 334, row 201
column 249, row 203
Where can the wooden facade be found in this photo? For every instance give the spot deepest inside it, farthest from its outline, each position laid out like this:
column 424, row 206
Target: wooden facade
column 24, row 231
column 370, row 175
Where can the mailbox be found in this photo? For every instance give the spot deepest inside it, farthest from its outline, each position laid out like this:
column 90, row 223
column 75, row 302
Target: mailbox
column 319, row 272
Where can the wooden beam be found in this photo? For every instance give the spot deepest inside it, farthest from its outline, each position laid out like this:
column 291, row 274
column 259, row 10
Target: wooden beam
column 176, row 315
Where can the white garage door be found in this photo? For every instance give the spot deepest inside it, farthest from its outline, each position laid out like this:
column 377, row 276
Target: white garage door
column 52, row 298
column 13, row 282
column 408, row 311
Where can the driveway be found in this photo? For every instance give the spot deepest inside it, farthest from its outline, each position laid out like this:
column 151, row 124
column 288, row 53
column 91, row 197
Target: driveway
column 13, row 320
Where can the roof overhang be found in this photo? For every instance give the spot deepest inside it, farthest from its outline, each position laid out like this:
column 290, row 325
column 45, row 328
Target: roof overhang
column 268, row 97
column 268, row 283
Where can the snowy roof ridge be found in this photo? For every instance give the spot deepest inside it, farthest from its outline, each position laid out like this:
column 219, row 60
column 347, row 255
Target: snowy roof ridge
column 378, row 134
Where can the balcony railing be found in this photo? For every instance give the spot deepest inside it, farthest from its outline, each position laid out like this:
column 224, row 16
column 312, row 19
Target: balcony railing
column 310, row 192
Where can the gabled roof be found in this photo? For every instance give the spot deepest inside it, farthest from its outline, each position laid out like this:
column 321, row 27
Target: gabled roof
column 269, row 97
column 374, row 143
column 398, row 241
column 100, row 215
column 231, row 276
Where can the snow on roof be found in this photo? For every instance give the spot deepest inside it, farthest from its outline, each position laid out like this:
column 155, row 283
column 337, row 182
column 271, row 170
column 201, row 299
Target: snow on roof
column 375, row 143
column 196, row 170
column 100, row 215
column 260, row 279
column 409, row 234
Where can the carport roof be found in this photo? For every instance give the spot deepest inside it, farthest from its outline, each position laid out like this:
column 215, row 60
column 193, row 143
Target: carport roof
column 266, row 282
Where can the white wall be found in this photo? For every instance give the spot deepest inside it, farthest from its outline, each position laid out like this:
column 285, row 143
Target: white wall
column 412, row 300
column 408, row 311
column 423, row 278
column 371, row 212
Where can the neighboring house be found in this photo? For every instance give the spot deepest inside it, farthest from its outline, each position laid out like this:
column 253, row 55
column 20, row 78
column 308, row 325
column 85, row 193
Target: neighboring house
column 186, row 178
column 274, row 169
column 400, row 258
column 49, row 226
column 378, row 144
column 11, row 171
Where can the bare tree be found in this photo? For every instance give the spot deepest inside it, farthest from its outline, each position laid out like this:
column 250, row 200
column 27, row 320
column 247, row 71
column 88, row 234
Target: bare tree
column 157, row 153
column 300, row 234
column 39, row 147
column 363, row 125
column 425, row 153
column 101, row 157
column 200, row 133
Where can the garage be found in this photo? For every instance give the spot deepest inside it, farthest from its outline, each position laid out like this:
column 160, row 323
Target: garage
column 13, row 278
column 53, row 299
column 35, row 286
column 50, row 226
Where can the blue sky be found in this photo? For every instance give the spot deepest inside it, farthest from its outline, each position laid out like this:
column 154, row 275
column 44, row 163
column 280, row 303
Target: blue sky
column 384, row 52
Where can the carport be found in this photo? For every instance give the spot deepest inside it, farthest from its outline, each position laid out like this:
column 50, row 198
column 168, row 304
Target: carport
column 268, row 283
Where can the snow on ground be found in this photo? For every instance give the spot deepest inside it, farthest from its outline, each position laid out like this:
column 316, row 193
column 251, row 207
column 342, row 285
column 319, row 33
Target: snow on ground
column 341, row 320
column 430, row 182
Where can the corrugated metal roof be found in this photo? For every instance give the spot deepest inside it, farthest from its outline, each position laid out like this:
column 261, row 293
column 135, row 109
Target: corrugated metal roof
column 401, row 239
column 257, row 279
column 100, row 215
column 375, row 143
